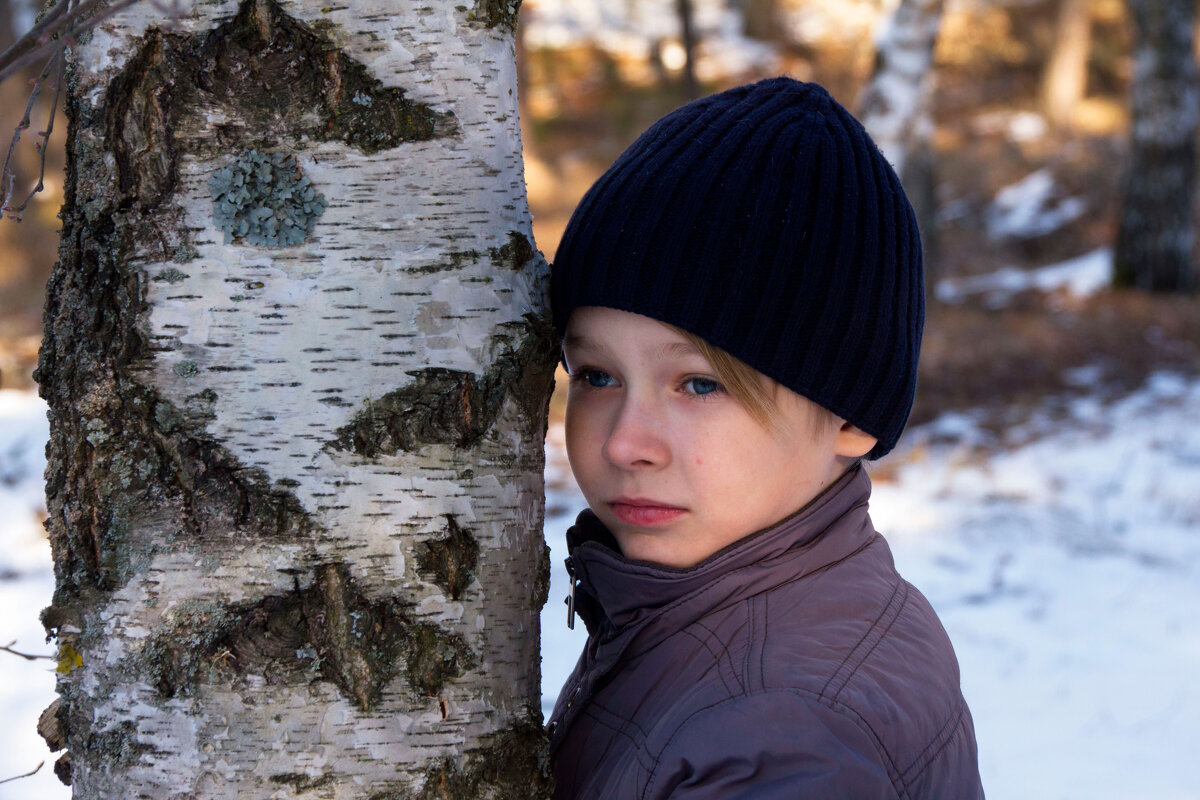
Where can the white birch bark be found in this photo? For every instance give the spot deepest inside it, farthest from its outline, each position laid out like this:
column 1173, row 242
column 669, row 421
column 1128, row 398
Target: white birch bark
column 894, row 105
column 255, row 600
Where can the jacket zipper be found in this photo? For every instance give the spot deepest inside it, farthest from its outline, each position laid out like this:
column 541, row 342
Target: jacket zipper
column 570, row 594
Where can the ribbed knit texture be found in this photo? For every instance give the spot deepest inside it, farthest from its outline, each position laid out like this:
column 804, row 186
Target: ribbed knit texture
column 764, row 220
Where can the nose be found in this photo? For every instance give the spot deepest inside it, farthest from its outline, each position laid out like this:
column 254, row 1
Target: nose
column 637, row 437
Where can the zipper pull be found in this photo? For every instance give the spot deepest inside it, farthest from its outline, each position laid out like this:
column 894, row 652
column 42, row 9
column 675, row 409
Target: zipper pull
column 571, row 594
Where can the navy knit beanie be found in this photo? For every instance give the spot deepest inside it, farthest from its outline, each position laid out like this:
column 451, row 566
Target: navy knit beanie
column 764, row 220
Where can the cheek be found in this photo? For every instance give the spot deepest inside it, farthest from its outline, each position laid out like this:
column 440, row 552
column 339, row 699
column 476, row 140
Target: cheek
column 582, row 427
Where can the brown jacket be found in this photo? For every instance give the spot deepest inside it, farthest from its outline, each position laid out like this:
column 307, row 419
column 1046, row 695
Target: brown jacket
column 795, row 663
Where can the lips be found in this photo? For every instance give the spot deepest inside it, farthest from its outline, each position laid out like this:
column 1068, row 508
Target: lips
column 643, row 512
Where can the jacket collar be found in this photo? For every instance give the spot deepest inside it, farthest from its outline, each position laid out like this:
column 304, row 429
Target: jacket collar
column 616, row 595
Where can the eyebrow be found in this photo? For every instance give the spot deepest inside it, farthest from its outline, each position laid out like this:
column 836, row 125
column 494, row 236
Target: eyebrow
column 574, row 340
column 671, row 349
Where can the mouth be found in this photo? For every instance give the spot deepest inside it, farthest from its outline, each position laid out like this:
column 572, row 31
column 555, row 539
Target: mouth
column 644, row 513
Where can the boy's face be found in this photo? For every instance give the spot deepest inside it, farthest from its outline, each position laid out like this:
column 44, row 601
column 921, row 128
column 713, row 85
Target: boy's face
column 669, row 461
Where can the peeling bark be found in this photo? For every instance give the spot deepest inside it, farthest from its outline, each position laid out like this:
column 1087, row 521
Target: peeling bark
column 295, row 491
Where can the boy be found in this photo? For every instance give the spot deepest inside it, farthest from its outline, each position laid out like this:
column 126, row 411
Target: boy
column 740, row 299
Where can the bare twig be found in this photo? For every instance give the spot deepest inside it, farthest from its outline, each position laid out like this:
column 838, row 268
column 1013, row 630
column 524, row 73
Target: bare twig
column 28, row 657
column 56, row 31
column 54, row 65
column 34, row 771
column 48, row 34
column 35, row 40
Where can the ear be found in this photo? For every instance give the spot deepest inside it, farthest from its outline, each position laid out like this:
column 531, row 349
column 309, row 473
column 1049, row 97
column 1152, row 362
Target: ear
column 853, row 442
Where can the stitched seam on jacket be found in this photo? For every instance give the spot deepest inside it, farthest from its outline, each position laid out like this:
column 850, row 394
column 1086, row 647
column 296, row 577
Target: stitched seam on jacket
column 716, row 661
column 841, row 708
column 869, row 641
column 725, row 650
column 756, row 610
column 737, row 574
column 762, row 653
column 594, row 706
column 638, row 743
column 940, row 741
column 749, row 606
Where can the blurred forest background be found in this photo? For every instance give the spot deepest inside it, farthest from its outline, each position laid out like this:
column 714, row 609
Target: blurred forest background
column 1022, row 149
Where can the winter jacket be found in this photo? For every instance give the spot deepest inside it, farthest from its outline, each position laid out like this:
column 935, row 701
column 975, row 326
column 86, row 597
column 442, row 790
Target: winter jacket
column 795, row 663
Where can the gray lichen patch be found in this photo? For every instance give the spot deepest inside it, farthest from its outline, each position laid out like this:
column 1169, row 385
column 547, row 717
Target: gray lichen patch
column 512, row 764
column 264, row 199
column 497, row 13
column 117, row 745
column 128, row 472
column 515, row 254
column 451, row 560
column 456, row 408
column 326, row 631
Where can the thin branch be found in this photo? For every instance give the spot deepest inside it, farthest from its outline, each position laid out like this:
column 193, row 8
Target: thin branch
column 56, row 31
column 9, row 176
column 28, row 657
column 48, row 34
column 26, row 775
column 32, row 37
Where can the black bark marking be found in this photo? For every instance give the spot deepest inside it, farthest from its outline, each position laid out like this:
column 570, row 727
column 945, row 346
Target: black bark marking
column 451, row 407
column 300, row 782
column 327, row 631
column 512, row 764
column 271, row 76
column 497, row 13
column 451, row 560
column 515, row 254
column 441, row 406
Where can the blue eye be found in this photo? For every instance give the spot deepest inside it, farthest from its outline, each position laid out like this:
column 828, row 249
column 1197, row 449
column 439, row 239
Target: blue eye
column 702, row 386
column 597, row 379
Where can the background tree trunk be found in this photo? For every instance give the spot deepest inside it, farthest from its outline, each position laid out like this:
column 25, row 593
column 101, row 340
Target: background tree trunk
column 895, row 104
column 1064, row 82
column 295, row 491
column 761, row 19
column 1155, row 237
column 687, row 34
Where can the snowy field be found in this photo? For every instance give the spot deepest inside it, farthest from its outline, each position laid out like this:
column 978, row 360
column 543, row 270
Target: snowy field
column 1066, row 569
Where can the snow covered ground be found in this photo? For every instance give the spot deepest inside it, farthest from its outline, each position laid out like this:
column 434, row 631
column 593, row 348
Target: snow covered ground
column 1080, row 276
column 1067, row 571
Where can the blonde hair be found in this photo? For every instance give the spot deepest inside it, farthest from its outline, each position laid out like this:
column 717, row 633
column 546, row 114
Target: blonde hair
column 757, row 393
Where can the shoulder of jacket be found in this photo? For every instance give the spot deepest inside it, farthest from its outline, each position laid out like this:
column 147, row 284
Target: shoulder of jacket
column 779, row 726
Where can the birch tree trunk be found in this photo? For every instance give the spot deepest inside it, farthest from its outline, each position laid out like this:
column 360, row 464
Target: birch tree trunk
column 895, row 107
column 1156, row 233
column 1064, row 82
column 295, row 470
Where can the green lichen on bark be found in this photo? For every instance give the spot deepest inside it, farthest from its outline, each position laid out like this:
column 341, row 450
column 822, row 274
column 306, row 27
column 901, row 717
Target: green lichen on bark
column 124, row 460
column 327, row 631
column 456, row 408
column 450, row 560
column 512, row 764
column 117, row 745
